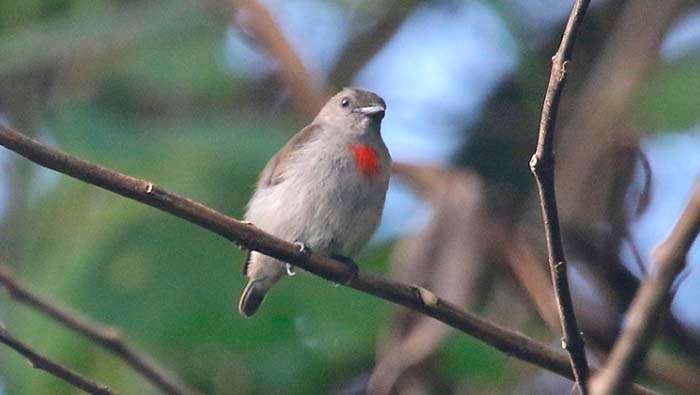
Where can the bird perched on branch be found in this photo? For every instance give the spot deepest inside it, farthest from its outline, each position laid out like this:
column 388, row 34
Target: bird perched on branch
column 324, row 190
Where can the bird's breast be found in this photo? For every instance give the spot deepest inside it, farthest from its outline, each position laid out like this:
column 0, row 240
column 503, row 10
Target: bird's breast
column 366, row 159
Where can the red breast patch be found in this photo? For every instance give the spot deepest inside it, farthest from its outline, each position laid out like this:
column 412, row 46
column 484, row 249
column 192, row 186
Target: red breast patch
column 366, row 159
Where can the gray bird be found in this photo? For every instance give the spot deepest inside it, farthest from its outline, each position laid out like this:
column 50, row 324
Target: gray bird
column 324, row 190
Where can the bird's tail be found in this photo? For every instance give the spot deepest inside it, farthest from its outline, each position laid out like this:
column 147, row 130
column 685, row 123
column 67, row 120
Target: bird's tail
column 252, row 297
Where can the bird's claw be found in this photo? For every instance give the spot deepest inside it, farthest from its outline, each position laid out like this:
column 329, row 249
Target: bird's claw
column 303, row 249
column 350, row 264
column 290, row 270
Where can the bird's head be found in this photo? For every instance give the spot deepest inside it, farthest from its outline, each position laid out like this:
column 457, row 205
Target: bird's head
column 355, row 109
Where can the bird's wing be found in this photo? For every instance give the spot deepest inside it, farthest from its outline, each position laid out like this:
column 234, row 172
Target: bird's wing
column 273, row 173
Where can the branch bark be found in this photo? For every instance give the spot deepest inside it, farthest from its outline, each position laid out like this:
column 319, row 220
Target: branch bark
column 39, row 361
column 542, row 166
column 413, row 297
column 669, row 259
column 106, row 337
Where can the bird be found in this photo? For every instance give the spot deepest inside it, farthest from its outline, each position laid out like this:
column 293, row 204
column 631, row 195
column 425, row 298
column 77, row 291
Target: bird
column 324, row 190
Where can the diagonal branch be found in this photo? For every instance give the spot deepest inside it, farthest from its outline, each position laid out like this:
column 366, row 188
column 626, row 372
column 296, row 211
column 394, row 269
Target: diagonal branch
column 669, row 260
column 358, row 52
column 106, row 337
column 542, row 166
column 532, row 276
column 413, row 297
column 307, row 95
column 39, row 361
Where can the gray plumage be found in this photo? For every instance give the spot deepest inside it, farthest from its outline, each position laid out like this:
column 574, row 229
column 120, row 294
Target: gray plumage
column 317, row 191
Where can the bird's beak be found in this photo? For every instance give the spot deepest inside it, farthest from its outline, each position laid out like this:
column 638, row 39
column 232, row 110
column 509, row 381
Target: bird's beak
column 371, row 110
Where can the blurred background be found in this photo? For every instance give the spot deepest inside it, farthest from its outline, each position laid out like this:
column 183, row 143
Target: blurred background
column 197, row 95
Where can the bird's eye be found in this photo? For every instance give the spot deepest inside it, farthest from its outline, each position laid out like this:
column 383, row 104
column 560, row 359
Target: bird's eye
column 345, row 102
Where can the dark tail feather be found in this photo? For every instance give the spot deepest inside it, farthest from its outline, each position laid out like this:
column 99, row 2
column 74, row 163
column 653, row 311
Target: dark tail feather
column 252, row 297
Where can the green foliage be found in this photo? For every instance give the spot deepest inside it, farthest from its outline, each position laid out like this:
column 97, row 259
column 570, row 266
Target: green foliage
column 463, row 356
column 669, row 101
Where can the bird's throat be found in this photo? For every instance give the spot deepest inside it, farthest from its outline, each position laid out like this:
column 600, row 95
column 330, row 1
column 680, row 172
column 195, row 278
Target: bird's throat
column 366, row 159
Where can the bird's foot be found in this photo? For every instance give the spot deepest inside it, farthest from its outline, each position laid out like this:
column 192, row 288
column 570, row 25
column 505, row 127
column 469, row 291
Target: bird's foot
column 290, row 269
column 350, row 264
column 303, row 249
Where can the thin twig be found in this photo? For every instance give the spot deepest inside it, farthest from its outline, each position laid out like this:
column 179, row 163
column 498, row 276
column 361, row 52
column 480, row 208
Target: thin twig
column 39, row 361
column 669, row 259
column 106, row 337
column 413, row 297
column 542, row 166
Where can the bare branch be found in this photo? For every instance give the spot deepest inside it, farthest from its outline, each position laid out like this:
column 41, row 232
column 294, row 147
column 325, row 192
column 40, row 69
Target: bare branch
column 106, row 337
column 307, row 95
column 413, row 297
column 39, row 361
column 366, row 45
column 669, row 259
column 521, row 258
column 542, row 166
